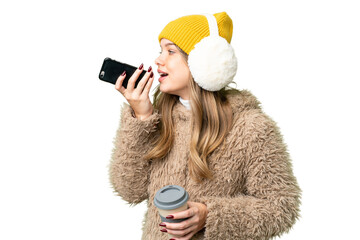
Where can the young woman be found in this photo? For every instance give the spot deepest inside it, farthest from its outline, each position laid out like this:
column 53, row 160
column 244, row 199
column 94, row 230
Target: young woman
column 200, row 134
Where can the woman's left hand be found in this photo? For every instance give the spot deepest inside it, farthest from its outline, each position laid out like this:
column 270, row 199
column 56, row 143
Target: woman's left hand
column 196, row 214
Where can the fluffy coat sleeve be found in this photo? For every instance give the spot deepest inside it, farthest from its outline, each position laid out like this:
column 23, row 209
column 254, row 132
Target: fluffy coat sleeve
column 128, row 170
column 269, row 205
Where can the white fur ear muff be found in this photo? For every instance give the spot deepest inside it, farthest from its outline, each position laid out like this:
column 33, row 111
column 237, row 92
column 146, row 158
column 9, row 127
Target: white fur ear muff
column 212, row 62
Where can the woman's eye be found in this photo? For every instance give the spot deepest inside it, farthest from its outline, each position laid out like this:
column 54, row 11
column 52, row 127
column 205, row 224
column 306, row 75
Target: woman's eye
column 169, row 51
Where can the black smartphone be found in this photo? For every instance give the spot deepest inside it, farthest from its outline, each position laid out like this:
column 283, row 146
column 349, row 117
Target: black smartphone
column 112, row 69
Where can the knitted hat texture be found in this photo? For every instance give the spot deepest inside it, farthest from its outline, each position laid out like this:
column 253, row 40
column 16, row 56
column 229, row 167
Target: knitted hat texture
column 187, row 31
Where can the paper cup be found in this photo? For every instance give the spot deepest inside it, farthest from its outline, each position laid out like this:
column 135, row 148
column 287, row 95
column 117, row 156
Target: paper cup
column 171, row 199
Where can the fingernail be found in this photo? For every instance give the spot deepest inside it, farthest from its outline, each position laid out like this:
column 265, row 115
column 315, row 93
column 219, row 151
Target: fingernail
column 149, row 69
column 123, row 74
column 141, row 66
column 162, row 224
column 172, row 239
column 170, row 217
column 163, row 230
column 151, row 74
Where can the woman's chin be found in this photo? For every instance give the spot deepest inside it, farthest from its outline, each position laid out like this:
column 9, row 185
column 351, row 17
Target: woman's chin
column 163, row 88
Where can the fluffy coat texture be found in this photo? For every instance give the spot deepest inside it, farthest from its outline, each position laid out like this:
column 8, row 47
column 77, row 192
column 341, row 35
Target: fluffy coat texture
column 253, row 195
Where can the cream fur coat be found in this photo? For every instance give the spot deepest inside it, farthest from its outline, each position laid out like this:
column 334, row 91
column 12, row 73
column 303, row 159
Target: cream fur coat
column 254, row 194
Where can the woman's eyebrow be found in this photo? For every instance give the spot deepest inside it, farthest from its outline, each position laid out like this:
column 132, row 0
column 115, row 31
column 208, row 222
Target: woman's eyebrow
column 167, row 44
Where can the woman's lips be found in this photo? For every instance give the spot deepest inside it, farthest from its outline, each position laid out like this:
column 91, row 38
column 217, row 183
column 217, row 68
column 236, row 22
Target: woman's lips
column 162, row 78
column 163, row 75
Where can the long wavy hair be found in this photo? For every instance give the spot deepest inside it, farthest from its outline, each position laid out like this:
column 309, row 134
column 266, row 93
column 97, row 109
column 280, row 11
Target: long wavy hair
column 211, row 121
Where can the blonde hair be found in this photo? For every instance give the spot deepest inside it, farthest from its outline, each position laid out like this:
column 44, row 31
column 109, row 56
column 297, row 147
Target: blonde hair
column 211, row 121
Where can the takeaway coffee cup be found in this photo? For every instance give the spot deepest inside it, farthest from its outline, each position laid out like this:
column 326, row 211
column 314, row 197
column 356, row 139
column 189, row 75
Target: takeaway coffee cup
column 171, row 199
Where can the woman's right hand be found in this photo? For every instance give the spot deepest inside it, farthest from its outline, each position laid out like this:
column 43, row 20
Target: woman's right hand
column 138, row 97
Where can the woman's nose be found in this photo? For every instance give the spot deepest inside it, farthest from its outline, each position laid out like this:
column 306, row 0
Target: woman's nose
column 159, row 60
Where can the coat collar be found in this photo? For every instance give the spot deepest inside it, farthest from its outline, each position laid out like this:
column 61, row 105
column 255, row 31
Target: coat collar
column 244, row 100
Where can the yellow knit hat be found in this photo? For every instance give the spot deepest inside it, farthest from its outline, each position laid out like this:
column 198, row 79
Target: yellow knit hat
column 187, row 31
